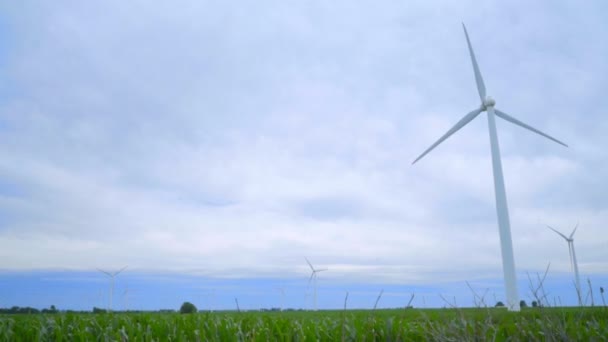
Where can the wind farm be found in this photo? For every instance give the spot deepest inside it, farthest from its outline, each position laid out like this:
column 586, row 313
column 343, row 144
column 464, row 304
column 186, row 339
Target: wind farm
column 303, row 171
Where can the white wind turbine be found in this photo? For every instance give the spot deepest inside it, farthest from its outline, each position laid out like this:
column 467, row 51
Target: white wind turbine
column 126, row 295
column 282, row 293
column 210, row 299
column 313, row 276
column 573, row 263
column 487, row 105
column 112, row 275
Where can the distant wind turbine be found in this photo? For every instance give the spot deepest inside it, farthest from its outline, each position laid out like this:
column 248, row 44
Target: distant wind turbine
column 127, row 294
column 282, row 293
column 112, row 276
column 313, row 277
column 210, row 297
column 487, row 105
column 573, row 263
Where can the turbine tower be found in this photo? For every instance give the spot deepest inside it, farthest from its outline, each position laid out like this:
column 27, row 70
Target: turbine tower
column 112, row 275
column 487, row 105
column 573, row 263
column 313, row 276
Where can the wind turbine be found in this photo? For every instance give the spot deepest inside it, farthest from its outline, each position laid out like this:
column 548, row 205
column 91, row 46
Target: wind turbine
column 282, row 293
column 487, row 105
column 573, row 262
column 125, row 298
column 112, row 275
column 126, row 295
column 313, row 276
column 210, row 298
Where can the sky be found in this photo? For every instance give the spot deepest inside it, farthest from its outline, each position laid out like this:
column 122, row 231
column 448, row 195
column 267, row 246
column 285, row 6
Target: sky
column 213, row 145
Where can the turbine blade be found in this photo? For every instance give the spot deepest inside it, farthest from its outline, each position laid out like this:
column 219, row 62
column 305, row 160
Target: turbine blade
column 513, row 120
column 481, row 87
column 465, row 120
column 574, row 231
column 309, row 264
column 562, row 235
column 107, row 273
column 322, row 269
column 122, row 269
column 311, row 276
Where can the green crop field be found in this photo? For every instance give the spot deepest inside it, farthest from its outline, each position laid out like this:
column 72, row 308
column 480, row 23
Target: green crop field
column 532, row 324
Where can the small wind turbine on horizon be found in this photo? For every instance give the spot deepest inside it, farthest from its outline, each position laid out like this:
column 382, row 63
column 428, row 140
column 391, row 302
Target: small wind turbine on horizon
column 112, row 275
column 210, row 299
column 282, row 294
column 573, row 262
column 487, row 105
column 313, row 277
column 126, row 295
column 125, row 298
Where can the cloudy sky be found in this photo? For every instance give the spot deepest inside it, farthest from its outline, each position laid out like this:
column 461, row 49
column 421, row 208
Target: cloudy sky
column 231, row 140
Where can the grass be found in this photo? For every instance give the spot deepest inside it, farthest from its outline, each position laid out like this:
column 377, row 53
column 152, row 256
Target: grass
column 532, row 324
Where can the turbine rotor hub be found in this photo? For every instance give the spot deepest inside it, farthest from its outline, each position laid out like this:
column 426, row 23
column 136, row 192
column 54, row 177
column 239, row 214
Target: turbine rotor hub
column 489, row 102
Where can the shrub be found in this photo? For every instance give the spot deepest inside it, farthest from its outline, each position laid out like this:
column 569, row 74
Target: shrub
column 187, row 308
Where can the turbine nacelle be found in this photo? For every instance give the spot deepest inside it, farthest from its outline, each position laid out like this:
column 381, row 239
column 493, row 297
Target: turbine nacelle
column 488, row 102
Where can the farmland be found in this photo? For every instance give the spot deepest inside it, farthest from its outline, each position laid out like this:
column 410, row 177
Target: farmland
column 531, row 324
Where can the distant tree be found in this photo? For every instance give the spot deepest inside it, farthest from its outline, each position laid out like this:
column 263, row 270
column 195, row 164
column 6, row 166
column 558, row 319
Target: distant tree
column 21, row 310
column 50, row 310
column 187, row 308
column 98, row 310
column 522, row 303
column 499, row 304
column 534, row 304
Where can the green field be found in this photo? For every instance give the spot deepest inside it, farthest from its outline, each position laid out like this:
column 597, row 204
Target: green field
column 542, row 324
